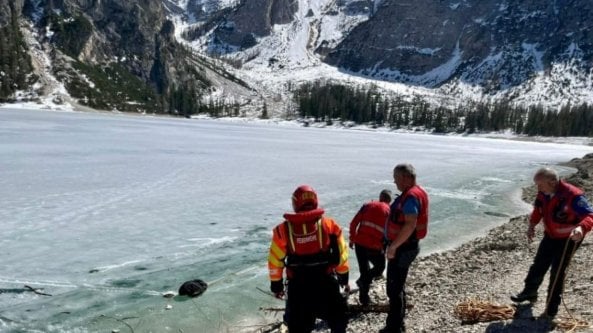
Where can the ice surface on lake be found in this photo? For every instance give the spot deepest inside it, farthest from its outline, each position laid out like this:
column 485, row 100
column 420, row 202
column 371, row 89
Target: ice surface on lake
column 105, row 212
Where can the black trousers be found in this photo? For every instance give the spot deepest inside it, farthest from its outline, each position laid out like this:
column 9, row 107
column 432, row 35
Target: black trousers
column 315, row 296
column 365, row 258
column 397, row 274
column 549, row 254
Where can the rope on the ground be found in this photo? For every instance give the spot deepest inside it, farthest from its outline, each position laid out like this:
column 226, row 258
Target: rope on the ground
column 476, row 310
column 571, row 324
column 568, row 323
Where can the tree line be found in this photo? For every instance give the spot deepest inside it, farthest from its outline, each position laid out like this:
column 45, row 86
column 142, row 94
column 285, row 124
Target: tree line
column 15, row 63
column 330, row 102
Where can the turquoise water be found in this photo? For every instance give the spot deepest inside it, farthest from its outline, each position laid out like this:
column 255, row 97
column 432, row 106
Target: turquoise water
column 107, row 212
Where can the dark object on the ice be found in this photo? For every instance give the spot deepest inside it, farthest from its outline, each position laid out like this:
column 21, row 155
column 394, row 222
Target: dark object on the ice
column 193, row 288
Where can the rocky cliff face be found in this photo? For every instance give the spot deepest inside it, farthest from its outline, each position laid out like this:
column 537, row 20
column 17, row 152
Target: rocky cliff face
column 131, row 29
column 488, row 45
column 99, row 31
column 501, row 48
column 252, row 19
column 242, row 24
column 8, row 8
column 108, row 54
column 492, row 43
column 15, row 63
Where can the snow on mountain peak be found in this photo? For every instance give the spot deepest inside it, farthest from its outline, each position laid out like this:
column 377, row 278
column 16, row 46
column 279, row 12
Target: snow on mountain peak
column 289, row 51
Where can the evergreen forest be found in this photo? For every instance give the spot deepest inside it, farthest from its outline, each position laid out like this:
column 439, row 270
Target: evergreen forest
column 328, row 103
column 15, row 63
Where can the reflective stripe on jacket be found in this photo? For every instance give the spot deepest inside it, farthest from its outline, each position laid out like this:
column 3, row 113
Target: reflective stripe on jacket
column 311, row 244
column 368, row 225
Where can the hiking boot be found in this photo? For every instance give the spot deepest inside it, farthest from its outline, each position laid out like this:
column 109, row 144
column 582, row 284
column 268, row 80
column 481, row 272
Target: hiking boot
column 391, row 330
column 363, row 293
column 530, row 296
column 364, row 298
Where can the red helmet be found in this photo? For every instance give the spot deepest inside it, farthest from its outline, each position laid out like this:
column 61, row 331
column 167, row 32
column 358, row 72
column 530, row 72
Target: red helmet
column 304, row 198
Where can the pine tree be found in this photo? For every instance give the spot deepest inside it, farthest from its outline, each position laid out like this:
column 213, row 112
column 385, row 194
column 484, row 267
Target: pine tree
column 264, row 112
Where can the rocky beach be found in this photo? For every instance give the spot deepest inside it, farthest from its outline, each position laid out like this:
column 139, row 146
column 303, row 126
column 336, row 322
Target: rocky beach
column 490, row 268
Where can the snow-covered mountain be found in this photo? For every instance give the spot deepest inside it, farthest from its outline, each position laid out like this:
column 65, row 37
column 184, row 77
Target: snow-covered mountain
column 193, row 11
column 177, row 56
column 277, row 44
column 109, row 54
column 530, row 52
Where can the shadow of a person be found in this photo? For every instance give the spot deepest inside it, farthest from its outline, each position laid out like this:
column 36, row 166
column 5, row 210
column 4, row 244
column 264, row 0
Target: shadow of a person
column 524, row 321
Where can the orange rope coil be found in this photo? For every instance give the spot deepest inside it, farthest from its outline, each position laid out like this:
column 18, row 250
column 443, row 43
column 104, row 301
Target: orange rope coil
column 476, row 310
column 571, row 324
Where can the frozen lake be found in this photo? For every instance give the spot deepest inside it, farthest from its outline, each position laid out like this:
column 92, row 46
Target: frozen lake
column 105, row 212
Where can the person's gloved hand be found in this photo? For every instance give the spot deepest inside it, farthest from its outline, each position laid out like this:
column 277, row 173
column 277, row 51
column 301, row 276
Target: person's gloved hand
column 277, row 288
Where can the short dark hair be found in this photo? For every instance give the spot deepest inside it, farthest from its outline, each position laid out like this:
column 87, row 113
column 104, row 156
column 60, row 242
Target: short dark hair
column 385, row 196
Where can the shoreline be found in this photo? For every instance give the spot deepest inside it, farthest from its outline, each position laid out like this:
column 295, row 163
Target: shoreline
column 503, row 135
column 490, row 268
column 429, row 292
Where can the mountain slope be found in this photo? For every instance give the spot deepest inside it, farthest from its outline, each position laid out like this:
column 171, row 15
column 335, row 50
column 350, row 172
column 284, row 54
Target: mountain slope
column 188, row 56
column 496, row 44
column 15, row 63
column 488, row 49
column 279, row 51
column 112, row 55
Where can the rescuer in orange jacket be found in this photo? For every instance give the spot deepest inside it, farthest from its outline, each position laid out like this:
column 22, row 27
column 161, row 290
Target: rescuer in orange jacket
column 310, row 247
column 367, row 233
column 568, row 217
column 407, row 224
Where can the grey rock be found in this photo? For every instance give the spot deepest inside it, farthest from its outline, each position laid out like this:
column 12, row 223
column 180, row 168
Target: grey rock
column 253, row 19
column 496, row 44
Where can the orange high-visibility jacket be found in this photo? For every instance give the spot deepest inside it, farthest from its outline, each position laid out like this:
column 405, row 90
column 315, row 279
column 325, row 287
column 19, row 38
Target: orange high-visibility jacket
column 307, row 239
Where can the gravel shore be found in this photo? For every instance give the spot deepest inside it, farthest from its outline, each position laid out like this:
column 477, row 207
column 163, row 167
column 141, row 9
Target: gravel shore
column 489, row 268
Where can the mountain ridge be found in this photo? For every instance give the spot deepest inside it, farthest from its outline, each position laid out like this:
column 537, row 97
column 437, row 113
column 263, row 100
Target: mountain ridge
column 192, row 56
column 486, row 50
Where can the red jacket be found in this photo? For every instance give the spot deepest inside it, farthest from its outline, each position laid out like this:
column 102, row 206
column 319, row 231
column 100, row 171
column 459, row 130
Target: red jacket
column 397, row 217
column 558, row 212
column 368, row 225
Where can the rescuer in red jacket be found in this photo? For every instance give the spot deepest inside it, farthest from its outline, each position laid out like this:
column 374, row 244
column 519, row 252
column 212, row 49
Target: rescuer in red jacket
column 367, row 235
column 568, row 217
column 311, row 248
column 407, row 225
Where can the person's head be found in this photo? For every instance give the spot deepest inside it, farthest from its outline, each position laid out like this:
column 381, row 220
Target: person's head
column 304, row 198
column 546, row 179
column 404, row 176
column 385, row 196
